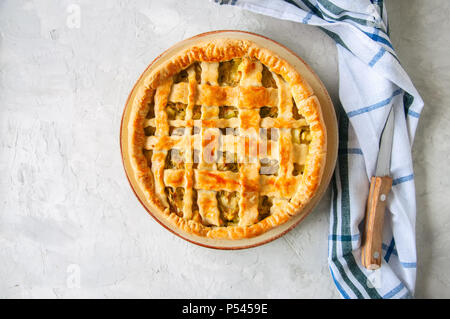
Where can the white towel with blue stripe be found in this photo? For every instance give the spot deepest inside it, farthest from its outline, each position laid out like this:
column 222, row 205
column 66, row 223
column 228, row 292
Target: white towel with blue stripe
column 372, row 81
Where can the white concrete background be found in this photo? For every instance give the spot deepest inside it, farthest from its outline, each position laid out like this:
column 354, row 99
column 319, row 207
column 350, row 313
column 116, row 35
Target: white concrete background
column 66, row 209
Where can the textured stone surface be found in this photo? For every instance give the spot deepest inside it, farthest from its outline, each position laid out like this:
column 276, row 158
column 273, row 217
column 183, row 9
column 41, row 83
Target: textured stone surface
column 67, row 211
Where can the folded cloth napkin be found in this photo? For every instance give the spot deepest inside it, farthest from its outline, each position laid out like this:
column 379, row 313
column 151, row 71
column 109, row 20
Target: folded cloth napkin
column 371, row 82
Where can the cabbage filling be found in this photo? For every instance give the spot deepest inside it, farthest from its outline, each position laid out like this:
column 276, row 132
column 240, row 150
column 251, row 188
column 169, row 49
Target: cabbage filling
column 295, row 113
column 174, row 160
column 197, row 112
column 181, row 77
column 176, row 111
column 264, row 205
column 267, row 111
column 228, row 162
column 228, row 203
column 148, row 156
column 227, row 112
column 301, row 135
column 150, row 131
column 298, row 169
column 195, row 210
column 267, row 78
column 229, row 74
column 175, row 199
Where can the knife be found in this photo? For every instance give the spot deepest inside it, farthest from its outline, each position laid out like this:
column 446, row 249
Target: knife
column 380, row 186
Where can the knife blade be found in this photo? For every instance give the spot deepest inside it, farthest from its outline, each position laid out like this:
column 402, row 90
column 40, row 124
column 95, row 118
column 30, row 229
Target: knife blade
column 380, row 186
column 384, row 154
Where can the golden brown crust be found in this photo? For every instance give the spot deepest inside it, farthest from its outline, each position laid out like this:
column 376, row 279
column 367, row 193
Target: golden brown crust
column 158, row 87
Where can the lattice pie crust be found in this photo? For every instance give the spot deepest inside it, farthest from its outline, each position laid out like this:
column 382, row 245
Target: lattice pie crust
column 227, row 140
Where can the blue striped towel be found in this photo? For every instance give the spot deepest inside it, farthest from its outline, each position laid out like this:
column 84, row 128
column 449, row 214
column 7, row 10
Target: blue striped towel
column 372, row 81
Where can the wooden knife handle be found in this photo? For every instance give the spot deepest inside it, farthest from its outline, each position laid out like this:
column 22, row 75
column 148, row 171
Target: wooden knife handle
column 376, row 206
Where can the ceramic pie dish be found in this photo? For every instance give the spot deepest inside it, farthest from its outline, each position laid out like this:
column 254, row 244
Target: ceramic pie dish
column 226, row 142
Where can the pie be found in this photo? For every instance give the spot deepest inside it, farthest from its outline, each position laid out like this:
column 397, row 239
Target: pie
column 226, row 140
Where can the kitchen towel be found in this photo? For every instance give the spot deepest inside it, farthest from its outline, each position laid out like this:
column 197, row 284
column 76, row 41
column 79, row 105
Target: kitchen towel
column 371, row 82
